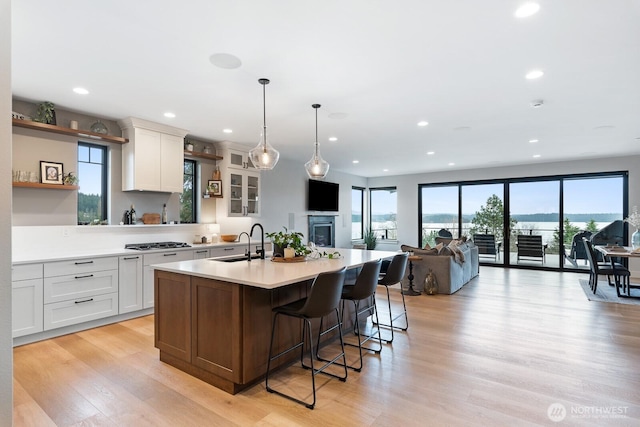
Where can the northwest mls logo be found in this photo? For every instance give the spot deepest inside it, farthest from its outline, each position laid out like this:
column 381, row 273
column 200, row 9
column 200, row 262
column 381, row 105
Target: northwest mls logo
column 557, row 412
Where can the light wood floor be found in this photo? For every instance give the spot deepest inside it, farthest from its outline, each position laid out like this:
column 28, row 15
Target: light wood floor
column 498, row 353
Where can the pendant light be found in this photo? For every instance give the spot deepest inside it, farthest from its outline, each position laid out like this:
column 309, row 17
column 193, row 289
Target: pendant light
column 317, row 167
column 264, row 156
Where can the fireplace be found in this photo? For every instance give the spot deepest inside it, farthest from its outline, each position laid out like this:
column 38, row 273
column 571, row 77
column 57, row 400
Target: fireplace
column 322, row 230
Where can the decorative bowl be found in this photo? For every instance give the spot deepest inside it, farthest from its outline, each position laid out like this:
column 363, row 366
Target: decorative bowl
column 229, row 237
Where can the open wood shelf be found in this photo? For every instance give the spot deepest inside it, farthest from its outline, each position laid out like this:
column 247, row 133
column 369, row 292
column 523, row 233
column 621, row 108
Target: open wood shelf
column 49, row 186
column 67, row 131
column 202, row 155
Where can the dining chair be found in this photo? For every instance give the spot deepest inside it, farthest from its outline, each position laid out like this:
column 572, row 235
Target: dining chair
column 617, row 270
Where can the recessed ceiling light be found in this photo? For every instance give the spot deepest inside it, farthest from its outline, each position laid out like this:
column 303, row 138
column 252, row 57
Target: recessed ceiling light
column 355, row 162
column 451, row 164
column 430, row 153
column 80, row 91
column 533, row 141
column 423, row 123
column 225, row 60
column 333, row 139
column 385, row 170
column 527, row 9
column 227, row 130
column 534, row 74
column 169, row 115
column 536, row 156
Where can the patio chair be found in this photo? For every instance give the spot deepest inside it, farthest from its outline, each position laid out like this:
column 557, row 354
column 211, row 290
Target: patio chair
column 531, row 246
column 487, row 245
column 578, row 249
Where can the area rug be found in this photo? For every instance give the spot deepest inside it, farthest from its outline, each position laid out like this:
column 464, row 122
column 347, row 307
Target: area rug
column 606, row 293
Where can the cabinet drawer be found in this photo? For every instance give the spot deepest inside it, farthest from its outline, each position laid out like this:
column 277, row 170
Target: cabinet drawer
column 26, row 272
column 79, row 266
column 227, row 251
column 171, row 256
column 79, row 286
column 67, row 313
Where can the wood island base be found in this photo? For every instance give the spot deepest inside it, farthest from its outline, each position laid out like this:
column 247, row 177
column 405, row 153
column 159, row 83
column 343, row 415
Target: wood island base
column 219, row 331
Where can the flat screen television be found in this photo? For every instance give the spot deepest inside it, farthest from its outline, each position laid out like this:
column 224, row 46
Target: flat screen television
column 322, row 196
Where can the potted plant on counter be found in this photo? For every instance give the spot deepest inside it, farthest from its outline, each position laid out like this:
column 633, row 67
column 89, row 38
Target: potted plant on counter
column 370, row 239
column 287, row 239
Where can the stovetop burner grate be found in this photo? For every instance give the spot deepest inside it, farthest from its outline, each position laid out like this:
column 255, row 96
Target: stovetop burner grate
column 156, row 245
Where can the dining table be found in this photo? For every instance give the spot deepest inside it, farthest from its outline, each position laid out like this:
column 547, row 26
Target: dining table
column 610, row 253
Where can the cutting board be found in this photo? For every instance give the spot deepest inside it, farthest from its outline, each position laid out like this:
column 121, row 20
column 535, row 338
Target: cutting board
column 151, row 218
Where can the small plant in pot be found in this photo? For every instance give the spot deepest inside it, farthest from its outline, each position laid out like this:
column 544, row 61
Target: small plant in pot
column 287, row 239
column 370, row 239
column 46, row 113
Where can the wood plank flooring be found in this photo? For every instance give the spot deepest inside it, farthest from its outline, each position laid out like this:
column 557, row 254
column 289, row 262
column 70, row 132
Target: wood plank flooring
column 497, row 353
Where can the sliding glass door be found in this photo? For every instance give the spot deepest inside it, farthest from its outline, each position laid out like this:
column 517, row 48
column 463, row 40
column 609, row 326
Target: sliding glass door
column 535, row 222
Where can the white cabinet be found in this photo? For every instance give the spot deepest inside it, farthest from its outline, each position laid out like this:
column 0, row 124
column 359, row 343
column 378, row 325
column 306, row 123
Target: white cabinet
column 153, row 160
column 27, row 299
column 147, row 274
column 237, row 159
column 243, row 193
column 79, row 290
column 130, row 283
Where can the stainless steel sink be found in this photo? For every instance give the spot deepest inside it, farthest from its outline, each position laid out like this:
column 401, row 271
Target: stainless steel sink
column 235, row 258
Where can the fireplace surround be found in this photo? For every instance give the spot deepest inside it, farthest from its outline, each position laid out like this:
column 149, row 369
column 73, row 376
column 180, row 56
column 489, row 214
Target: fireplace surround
column 322, row 230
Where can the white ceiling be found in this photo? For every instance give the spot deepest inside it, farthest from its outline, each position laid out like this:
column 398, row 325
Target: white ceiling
column 380, row 66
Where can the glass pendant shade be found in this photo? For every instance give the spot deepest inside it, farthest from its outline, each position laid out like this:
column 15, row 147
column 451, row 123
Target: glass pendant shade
column 317, row 167
column 264, row 156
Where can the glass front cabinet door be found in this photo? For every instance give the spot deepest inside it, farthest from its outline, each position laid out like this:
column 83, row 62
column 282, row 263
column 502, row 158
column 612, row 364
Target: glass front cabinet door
column 244, row 194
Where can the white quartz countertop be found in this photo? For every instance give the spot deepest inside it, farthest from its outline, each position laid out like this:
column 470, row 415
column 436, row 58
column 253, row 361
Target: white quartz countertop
column 268, row 274
column 35, row 255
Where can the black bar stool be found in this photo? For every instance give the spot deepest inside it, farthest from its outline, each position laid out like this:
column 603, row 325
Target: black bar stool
column 392, row 277
column 323, row 299
column 362, row 294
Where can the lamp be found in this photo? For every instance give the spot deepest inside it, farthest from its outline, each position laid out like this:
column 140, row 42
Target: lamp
column 317, row 167
column 264, row 156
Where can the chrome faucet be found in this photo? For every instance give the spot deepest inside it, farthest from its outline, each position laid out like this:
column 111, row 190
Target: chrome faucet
column 259, row 251
column 248, row 254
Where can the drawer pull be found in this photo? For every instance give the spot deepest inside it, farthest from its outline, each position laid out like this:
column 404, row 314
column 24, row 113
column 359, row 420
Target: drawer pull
column 130, row 257
column 201, row 252
column 229, row 249
column 84, row 262
column 84, row 277
column 85, row 300
column 173, row 254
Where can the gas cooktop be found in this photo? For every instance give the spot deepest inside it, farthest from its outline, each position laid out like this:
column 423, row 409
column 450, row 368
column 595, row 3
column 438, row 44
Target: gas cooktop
column 156, row 245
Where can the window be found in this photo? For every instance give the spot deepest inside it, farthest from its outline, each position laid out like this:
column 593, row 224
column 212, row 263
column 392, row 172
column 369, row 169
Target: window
column 556, row 208
column 92, row 175
column 383, row 212
column 187, row 198
column 357, row 207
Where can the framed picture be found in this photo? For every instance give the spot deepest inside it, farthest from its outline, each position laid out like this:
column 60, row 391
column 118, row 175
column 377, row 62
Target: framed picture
column 214, row 187
column 51, row 172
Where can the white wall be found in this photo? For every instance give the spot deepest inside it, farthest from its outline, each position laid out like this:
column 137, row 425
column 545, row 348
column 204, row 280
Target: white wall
column 284, row 193
column 6, row 343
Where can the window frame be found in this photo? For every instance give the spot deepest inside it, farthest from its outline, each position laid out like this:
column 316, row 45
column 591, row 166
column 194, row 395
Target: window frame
column 194, row 207
column 104, row 214
column 361, row 190
column 386, row 230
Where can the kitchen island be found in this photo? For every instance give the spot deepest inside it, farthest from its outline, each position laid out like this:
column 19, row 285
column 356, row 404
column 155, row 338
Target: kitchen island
column 213, row 318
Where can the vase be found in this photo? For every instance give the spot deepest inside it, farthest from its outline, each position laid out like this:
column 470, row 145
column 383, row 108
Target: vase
column 635, row 239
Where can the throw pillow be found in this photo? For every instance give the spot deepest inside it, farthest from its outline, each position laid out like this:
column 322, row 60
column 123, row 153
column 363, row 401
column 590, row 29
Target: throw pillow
column 426, row 246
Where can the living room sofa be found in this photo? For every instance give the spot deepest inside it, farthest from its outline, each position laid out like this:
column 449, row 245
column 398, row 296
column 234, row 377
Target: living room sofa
column 453, row 265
